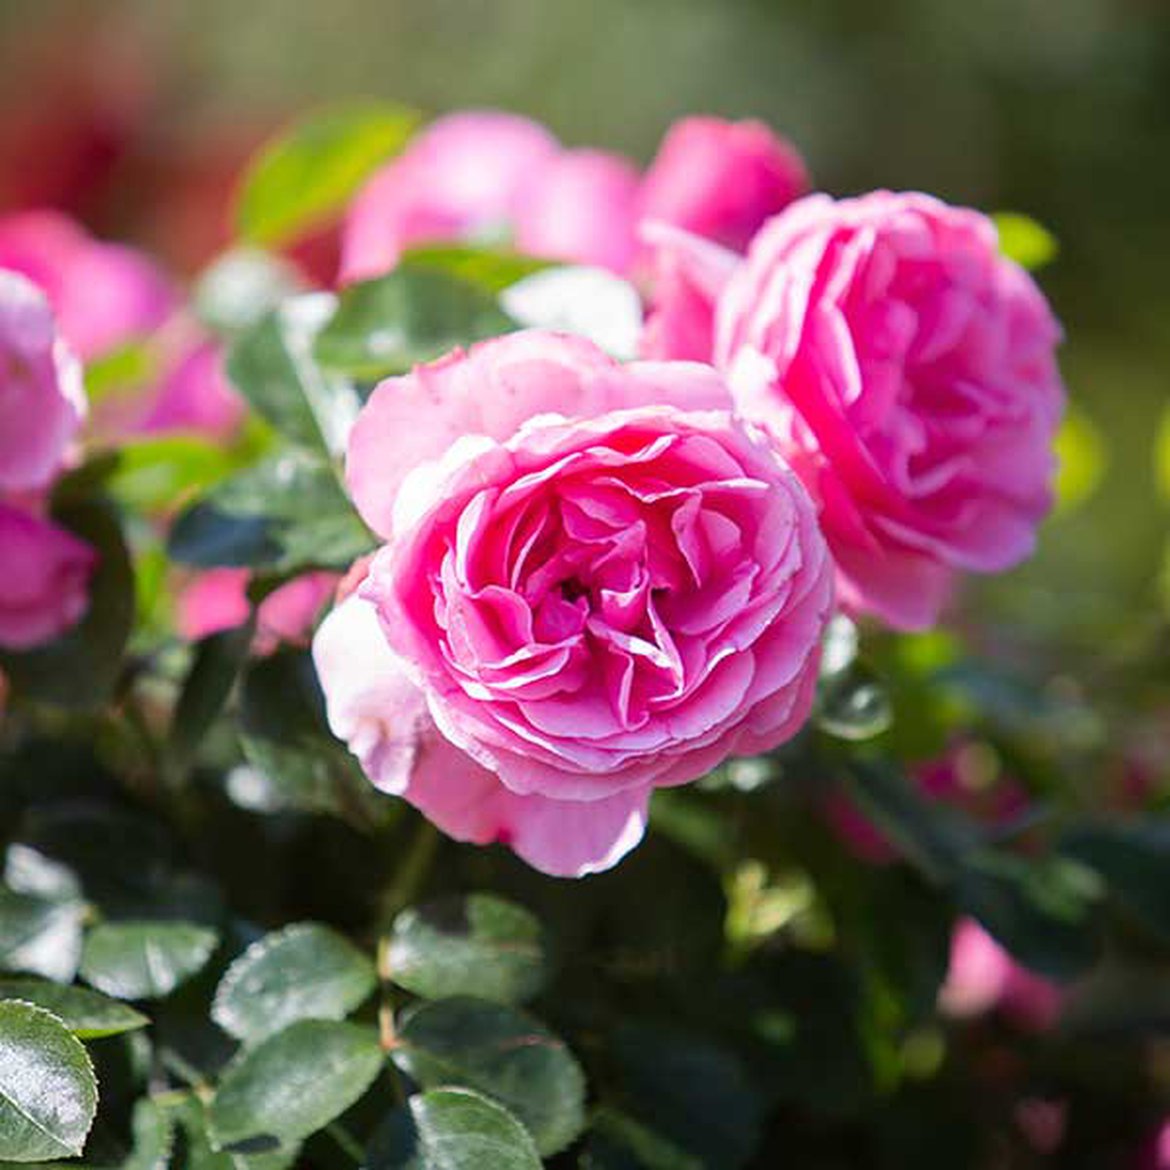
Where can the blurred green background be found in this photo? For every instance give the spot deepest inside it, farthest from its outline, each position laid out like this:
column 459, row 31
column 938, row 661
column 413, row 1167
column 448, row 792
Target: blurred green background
column 1058, row 108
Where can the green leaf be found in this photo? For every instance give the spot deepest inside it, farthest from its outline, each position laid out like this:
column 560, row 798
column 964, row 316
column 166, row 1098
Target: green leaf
column 294, row 762
column 190, row 1116
column 1025, row 241
column 1162, row 456
column 304, row 971
column 294, row 1083
column 87, row 1014
column 415, row 314
column 217, row 663
column 1081, row 460
column 452, row 1129
column 166, row 471
column 151, row 1131
column 285, row 514
column 931, row 836
column 272, row 366
column 40, row 934
column 308, row 174
column 81, row 668
column 853, row 704
column 492, row 269
column 475, row 945
column 1134, row 861
column 1041, row 911
column 501, row 1052
column 48, row 1094
column 145, row 960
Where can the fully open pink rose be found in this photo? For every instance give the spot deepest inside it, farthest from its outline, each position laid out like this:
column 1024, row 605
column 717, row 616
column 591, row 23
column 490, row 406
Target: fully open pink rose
column 460, row 179
column 908, row 371
column 42, row 402
column 579, row 206
column 104, row 295
column 44, row 585
column 591, row 602
column 721, row 180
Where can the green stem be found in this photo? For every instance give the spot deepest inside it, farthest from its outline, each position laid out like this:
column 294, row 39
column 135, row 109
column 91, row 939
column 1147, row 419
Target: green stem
column 411, row 873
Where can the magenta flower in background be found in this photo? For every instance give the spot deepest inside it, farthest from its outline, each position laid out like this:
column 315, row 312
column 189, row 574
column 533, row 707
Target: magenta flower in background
column 46, row 570
column 983, row 977
column 580, row 205
column 485, row 175
column 217, row 600
column 589, row 603
column 908, row 371
column 105, row 295
column 192, row 394
column 460, row 179
column 721, row 180
column 44, row 588
column 42, row 401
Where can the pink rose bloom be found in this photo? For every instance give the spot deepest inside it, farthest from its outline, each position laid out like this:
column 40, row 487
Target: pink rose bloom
column 579, row 206
column 105, row 295
column 460, row 179
column 194, row 395
column 42, row 401
column 688, row 275
column 983, row 977
column 588, row 603
column 44, row 586
column 722, row 180
column 908, row 371
column 217, row 600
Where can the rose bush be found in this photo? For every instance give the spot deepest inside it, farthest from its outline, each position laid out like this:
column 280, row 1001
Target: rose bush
column 353, row 614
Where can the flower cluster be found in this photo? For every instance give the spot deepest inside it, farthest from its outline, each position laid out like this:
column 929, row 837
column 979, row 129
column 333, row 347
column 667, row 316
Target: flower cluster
column 595, row 578
column 600, row 579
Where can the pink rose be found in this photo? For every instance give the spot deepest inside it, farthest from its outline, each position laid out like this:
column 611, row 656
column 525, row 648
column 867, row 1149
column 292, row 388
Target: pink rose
column 218, row 600
column 908, row 371
column 688, row 275
column 42, row 401
column 44, row 586
column 721, row 180
column 460, row 179
column 592, row 603
column 105, row 295
column 194, row 395
column 579, row 206
column 983, row 977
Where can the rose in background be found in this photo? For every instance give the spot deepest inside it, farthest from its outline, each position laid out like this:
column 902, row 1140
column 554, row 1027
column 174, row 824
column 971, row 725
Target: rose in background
column 589, row 604
column 217, row 600
column 43, row 588
column 908, row 371
column 485, row 176
column 108, row 297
